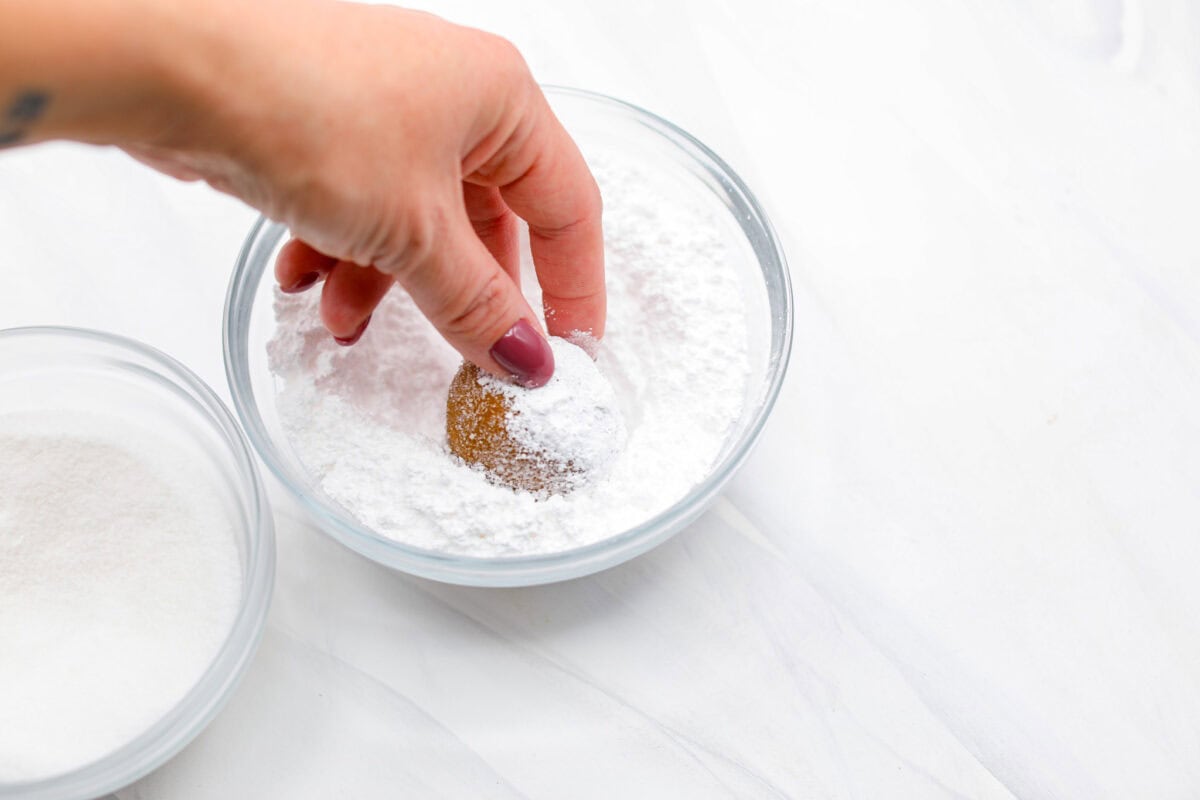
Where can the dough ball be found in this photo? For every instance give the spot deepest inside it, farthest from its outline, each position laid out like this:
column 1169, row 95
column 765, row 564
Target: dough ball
column 549, row 440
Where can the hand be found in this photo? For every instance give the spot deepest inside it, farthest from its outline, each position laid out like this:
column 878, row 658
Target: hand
column 398, row 147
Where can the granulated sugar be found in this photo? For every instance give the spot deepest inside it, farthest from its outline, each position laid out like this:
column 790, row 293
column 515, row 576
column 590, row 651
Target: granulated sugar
column 118, row 584
column 368, row 421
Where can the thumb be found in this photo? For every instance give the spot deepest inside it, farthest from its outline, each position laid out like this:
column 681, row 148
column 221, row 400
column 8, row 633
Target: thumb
column 479, row 310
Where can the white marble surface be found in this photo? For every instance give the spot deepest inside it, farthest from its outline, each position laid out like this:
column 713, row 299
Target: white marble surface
column 963, row 561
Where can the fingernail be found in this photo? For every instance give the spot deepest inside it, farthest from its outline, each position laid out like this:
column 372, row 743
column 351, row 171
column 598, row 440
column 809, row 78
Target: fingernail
column 346, row 341
column 306, row 280
column 526, row 354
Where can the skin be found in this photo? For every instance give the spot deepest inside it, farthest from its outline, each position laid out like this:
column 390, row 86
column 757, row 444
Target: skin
column 402, row 149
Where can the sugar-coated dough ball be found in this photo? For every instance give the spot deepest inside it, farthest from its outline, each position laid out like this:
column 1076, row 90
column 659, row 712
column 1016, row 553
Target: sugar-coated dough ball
column 548, row 440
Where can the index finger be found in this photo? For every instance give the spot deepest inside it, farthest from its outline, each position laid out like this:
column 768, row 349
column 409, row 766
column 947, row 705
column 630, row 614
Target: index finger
column 559, row 199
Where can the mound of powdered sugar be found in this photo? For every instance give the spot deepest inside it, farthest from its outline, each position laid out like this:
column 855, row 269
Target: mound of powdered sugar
column 368, row 421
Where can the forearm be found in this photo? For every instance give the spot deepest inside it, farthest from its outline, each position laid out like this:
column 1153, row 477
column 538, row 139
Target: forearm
column 121, row 72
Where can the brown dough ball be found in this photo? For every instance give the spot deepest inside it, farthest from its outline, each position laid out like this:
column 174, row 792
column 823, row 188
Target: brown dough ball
column 476, row 426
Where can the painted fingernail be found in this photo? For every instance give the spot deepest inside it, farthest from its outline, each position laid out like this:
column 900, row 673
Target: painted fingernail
column 306, row 280
column 346, row 341
column 526, row 354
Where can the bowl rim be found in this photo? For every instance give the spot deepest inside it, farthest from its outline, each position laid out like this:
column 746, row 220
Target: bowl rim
column 529, row 569
column 197, row 708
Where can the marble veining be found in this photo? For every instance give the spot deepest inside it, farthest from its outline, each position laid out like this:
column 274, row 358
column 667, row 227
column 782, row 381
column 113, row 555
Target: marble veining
column 960, row 564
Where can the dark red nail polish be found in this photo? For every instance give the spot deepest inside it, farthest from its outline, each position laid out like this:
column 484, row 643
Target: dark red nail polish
column 526, row 354
column 346, row 341
column 306, row 280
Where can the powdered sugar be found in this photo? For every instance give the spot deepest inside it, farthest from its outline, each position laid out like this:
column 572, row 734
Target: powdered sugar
column 369, row 421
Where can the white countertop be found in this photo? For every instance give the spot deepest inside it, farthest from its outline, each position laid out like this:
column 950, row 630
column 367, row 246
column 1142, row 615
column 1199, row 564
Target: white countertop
column 962, row 562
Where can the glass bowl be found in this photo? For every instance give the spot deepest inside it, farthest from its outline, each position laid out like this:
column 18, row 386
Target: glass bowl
column 80, row 371
column 594, row 121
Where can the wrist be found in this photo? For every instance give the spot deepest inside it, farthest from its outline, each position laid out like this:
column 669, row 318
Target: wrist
column 226, row 94
column 94, row 68
column 190, row 57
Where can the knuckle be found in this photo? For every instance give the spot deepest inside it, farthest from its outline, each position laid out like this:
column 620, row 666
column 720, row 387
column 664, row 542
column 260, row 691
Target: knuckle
column 506, row 65
column 370, row 243
column 339, row 316
column 480, row 310
column 405, row 246
column 591, row 200
column 505, row 54
column 493, row 223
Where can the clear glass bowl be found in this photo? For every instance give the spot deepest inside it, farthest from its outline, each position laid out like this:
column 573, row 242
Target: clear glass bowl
column 594, row 121
column 81, row 371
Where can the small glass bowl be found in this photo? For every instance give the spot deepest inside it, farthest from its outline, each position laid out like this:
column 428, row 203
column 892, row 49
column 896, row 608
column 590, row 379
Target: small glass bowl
column 89, row 372
column 594, row 121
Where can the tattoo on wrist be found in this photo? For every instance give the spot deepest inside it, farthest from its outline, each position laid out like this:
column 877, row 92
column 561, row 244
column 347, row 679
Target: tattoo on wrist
column 21, row 113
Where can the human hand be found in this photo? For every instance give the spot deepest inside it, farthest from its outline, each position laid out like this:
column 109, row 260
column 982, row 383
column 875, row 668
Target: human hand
column 403, row 149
